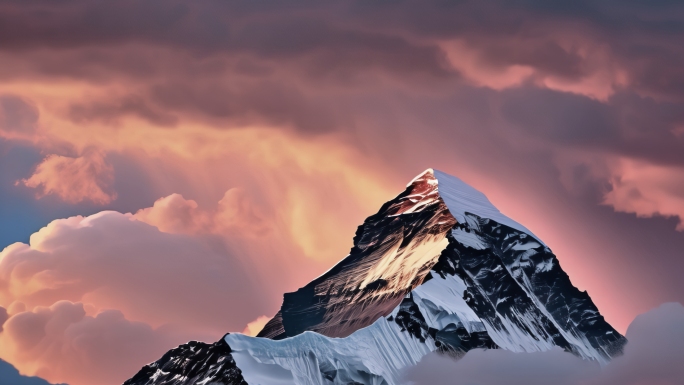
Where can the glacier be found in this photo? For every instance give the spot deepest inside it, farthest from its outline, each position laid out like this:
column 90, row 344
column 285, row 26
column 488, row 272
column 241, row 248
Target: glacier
column 438, row 268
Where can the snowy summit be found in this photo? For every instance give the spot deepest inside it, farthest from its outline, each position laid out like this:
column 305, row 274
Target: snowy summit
column 438, row 268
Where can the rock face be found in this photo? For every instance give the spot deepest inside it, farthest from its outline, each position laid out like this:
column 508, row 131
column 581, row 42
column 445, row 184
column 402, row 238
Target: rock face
column 192, row 363
column 393, row 252
column 438, row 268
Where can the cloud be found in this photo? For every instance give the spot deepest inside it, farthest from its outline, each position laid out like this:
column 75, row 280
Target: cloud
column 236, row 213
column 652, row 356
column 112, row 261
column 175, row 214
column 92, row 299
column 253, row 328
column 62, row 343
column 499, row 367
column 110, row 112
column 17, row 116
column 585, row 49
column 301, row 119
column 647, row 190
column 548, row 62
column 73, row 180
column 627, row 185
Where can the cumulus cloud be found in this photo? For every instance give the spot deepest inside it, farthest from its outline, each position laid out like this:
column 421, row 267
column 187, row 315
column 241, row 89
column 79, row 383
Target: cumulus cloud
column 236, row 213
column 87, row 177
column 62, row 343
column 175, row 214
column 113, row 261
column 653, row 355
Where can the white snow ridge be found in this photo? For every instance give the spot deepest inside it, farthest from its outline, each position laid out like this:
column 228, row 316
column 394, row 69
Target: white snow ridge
column 438, row 268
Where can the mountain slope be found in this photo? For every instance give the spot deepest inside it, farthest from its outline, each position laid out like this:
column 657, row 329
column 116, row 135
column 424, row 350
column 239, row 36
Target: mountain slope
column 438, row 268
column 393, row 251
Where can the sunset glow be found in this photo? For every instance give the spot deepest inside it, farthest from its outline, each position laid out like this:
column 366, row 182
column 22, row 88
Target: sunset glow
column 169, row 169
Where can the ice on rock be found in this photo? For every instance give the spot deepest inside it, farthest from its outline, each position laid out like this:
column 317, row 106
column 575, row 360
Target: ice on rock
column 438, row 268
column 462, row 198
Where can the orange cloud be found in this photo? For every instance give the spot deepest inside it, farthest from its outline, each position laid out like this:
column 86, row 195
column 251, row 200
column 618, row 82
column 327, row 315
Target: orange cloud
column 254, row 226
column 289, row 177
column 253, row 328
column 236, row 212
column 74, row 180
column 175, row 214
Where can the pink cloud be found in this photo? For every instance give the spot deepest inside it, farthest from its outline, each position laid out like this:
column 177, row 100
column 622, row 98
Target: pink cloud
column 501, row 63
column 647, row 189
column 112, row 261
column 236, row 212
column 87, row 177
column 62, row 343
column 189, row 281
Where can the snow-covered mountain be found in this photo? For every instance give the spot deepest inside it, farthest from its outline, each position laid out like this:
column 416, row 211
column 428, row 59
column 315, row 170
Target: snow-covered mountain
column 438, row 268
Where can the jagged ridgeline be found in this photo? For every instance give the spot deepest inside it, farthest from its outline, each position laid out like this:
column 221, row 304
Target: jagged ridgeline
column 438, row 268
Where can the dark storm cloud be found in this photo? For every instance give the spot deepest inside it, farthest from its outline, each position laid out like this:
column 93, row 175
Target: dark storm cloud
column 390, row 35
column 642, row 36
column 628, row 125
column 354, row 45
column 211, row 27
column 231, row 102
column 272, row 102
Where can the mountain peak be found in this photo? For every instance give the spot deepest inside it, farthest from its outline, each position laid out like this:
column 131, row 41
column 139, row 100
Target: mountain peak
column 437, row 268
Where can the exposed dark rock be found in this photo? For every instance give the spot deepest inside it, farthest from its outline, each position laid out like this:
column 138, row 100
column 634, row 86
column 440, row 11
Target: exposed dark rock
column 329, row 305
column 190, row 364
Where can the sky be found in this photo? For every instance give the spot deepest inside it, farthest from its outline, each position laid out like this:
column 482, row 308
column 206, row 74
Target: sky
column 168, row 169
